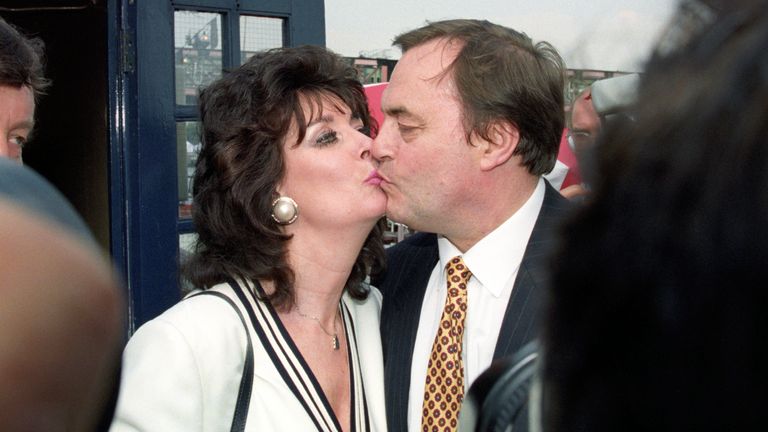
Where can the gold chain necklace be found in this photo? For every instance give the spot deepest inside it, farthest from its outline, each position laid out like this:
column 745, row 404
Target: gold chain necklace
column 334, row 336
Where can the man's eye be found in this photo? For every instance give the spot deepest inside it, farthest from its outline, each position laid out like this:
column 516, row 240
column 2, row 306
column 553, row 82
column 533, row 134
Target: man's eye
column 20, row 141
column 326, row 138
column 404, row 129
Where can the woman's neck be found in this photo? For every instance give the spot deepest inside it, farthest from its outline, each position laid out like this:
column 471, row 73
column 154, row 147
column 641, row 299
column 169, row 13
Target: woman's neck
column 318, row 288
column 321, row 265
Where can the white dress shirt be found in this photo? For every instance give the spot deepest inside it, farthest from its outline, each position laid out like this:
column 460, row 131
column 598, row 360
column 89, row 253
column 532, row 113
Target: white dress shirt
column 494, row 262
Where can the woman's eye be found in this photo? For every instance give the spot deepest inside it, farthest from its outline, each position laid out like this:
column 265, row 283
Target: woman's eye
column 326, row 138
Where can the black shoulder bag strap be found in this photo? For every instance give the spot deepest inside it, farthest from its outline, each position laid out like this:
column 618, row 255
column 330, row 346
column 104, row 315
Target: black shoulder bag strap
column 246, row 382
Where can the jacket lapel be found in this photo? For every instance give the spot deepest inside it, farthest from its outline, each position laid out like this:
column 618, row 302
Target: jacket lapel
column 403, row 295
column 520, row 323
column 404, row 291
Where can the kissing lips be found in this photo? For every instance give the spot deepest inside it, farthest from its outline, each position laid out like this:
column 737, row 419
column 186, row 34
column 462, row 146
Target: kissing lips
column 373, row 178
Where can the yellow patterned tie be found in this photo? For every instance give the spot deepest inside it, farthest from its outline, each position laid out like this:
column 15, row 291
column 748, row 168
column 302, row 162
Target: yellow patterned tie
column 444, row 389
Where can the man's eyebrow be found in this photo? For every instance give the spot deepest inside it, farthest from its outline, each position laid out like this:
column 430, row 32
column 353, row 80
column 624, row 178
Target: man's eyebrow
column 402, row 112
column 25, row 124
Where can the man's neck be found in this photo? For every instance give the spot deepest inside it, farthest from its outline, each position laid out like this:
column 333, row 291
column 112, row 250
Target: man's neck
column 483, row 219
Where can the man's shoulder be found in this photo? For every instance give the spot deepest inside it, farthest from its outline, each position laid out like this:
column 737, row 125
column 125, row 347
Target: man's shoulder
column 555, row 207
column 412, row 254
column 418, row 240
column 553, row 198
column 413, row 250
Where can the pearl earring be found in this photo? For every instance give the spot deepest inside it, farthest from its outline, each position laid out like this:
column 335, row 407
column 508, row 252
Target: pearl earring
column 285, row 211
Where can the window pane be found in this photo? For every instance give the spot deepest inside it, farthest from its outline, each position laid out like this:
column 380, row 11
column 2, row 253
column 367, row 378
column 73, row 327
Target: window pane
column 187, row 148
column 186, row 249
column 259, row 33
column 197, row 47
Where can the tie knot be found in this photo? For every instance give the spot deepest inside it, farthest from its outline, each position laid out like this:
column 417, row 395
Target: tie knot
column 457, row 273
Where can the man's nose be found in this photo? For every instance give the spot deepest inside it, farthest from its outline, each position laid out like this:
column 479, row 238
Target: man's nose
column 381, row 147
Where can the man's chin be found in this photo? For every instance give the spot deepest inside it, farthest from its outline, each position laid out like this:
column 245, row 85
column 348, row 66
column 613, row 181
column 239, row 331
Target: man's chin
column 395, row 215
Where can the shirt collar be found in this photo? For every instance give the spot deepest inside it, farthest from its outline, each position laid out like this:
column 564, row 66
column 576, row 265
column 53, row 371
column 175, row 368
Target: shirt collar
column 496, row 257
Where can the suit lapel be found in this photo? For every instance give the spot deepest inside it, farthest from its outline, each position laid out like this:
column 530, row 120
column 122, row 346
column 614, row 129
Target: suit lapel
column 520, row 322
column 403, row 297
column 404, row 291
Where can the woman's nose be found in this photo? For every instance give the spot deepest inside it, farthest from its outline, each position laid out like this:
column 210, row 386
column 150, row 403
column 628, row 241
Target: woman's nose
column 365, row 147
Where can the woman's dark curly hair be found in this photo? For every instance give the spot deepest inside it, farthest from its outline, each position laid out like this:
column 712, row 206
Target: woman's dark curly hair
column 245, row 118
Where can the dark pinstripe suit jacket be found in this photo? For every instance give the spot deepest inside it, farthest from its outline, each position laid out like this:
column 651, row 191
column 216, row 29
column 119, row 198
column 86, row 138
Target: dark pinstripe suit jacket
column 409, row 266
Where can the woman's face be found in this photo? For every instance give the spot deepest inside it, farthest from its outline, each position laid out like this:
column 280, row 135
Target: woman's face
column 330, row 173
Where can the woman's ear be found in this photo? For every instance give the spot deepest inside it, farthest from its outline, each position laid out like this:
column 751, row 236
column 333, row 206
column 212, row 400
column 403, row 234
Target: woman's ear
column 499, row 146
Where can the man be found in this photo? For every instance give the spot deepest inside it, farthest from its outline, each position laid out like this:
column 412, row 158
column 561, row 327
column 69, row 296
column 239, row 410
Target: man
column 21, row 82
column 585, row 126
column 473, row 117
column 585, row 123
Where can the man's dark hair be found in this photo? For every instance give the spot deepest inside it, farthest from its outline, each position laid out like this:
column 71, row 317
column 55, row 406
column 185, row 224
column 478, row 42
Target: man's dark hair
column 21, row 60
column 500, row 74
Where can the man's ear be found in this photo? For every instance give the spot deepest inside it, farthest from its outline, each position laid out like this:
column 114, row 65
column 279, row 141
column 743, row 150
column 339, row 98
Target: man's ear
column 499, row 146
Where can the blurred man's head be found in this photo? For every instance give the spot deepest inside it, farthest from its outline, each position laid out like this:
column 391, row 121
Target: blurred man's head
column 585, row 123
column 21, row 81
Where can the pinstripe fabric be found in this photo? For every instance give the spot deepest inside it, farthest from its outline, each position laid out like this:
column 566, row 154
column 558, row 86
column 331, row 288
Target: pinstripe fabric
column 410, row 264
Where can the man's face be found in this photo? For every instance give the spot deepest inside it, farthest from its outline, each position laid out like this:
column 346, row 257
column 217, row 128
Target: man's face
column 421, row 145
column 585, row 125
column 17, row 114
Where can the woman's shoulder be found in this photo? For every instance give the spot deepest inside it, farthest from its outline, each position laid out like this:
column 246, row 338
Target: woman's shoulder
column 365, row 313
column 181, row 365
column 202, row 316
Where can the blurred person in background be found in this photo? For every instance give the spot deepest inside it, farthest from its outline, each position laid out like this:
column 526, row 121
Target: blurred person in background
column 656, row 319
column 585, row 127
column 61, row 311
column 21, row 83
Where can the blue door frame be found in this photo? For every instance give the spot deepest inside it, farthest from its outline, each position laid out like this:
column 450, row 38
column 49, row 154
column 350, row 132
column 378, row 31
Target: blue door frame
column 143, row 183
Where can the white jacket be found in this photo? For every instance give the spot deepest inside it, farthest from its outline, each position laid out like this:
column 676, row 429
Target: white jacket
column 182, row 370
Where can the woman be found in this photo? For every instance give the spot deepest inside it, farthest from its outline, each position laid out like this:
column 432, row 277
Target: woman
column 286, row 197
